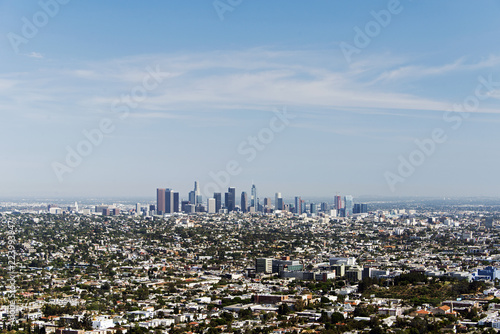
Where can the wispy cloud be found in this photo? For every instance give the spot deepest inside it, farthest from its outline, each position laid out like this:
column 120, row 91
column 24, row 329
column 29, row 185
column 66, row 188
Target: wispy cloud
column 416, row 72
column 226, row 81
column 35, row 55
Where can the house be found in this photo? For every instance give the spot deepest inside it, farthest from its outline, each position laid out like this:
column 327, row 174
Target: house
column 102, row 322
column 442, row 310
column 140, row 314
column 423, row 313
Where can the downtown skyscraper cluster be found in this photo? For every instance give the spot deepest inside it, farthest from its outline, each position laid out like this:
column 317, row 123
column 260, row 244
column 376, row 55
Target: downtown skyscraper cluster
column 168, row 203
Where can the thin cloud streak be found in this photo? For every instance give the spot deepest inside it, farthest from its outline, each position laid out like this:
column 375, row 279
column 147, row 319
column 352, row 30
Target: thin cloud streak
column 250, row 80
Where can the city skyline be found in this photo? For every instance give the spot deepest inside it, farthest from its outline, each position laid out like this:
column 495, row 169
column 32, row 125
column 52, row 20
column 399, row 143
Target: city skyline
column 379, row 98
column 168, row 201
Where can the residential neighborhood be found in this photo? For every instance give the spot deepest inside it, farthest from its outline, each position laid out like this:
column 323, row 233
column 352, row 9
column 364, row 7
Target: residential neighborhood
column 387, row 271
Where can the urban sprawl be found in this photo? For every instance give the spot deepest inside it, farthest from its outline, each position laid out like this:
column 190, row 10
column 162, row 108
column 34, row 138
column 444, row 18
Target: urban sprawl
column 246, row 265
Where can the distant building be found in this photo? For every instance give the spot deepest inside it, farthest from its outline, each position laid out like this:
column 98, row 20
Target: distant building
column 489, row 223
column 200, row 208
column 370, row 272
column 269, row 299
column 244, row 202
column 339, row 269
column 348, row 206
column 184, row 206
column 160, row 201
column 349, row 261
column 218, row 202
column 230, row 199
column 391, row 311
column 489, row 274
column 337, row 200
column 287, row 264
column 176, row 202
column 278, row 201
column 192, row 197
column 360, row 208
column 211, row 205
column 264, row 265
column 169, row 201
column 53, row 209
column 461, row 305
column 308, row 275
column 324, row 276
column 354, row 274
column 190, row 208
column 69, row 331
column 197, row 193
column 298, row 205
column 102, row 322
column 254, row 202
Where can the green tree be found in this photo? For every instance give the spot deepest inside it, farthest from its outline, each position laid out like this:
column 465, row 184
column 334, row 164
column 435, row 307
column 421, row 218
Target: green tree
column 283, row 309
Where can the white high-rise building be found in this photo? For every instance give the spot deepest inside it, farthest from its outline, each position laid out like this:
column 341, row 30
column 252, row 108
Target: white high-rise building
column 197, row 194
column 211, row 205
column 277, row 197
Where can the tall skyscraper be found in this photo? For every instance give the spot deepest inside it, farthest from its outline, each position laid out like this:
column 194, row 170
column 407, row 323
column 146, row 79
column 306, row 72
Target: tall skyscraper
column 277, row 198
column 176, row 202
column 348, row 205
column 280, row 205
column 230, row 199
column 197, row 193
column 325, row 207
column 218, row 202
column 244, row 201
column 160, row 201
column 298, row 205
column 192, row 197
column 254, row 202
column 337, row 202
column 169, row 201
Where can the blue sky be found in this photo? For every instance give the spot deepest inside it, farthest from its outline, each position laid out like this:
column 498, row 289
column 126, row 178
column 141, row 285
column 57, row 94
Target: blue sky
column 220, row 81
